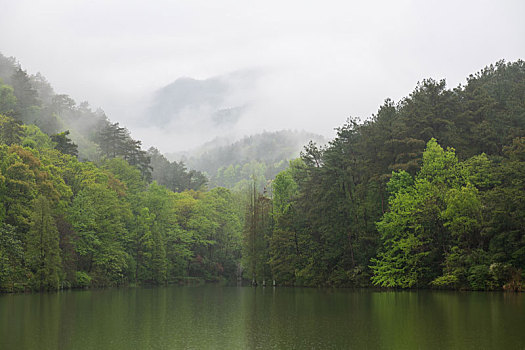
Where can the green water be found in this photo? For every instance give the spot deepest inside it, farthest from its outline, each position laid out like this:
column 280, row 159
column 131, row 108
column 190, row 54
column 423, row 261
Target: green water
column 212, row 317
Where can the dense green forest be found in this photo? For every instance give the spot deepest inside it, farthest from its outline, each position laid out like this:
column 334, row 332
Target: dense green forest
column 428, row 193
column 88, row 213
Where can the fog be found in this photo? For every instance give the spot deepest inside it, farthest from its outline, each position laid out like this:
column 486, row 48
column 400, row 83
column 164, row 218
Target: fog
column 311, row 64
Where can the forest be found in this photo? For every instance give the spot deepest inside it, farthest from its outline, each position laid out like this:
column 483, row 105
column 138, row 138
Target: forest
column 427, row 193
column 82, row 205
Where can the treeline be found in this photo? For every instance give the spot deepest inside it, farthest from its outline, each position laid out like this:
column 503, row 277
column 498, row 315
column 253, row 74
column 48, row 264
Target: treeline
column 385, row 204
column 428, row 193
column 66, row 223
column 87, row 214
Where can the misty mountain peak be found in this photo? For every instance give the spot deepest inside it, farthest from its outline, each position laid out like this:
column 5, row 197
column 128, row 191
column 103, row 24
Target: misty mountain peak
column 215, row 100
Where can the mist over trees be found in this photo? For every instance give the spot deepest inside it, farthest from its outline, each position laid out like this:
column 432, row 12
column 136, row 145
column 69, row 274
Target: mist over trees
column 174, row 175
column 428, row 193
column 261, row 156
column 75, row 129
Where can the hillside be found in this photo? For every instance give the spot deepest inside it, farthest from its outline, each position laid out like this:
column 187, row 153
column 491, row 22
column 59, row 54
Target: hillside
column 88, row 134
column 262, row 156
column 88, row 214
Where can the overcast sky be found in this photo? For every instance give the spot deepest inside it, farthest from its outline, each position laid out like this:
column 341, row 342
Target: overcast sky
column 323, row 60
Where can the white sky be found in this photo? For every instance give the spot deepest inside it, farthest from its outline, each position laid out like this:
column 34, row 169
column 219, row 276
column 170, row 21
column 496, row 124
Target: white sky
column 324, row 60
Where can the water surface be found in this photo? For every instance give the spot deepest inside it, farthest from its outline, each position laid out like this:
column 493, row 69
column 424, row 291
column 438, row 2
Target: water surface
column 213, row 317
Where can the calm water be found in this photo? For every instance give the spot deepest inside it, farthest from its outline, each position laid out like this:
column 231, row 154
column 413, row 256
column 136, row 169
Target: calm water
column 212, row 317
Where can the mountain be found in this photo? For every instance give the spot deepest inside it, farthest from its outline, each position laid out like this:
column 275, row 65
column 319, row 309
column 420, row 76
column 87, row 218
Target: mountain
column 185, row 94
column 218, row 101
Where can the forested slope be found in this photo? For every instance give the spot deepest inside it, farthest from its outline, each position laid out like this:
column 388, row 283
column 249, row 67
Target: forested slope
column 430, row 192
column 98, row 220
column 31, row 100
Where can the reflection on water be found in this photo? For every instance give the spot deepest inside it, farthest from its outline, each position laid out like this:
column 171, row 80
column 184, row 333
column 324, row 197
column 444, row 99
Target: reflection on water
column 212, row 317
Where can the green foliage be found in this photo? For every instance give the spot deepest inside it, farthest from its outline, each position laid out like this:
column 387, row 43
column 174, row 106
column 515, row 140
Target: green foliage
column 457, row 237
column 82, row 279
column 462, row 215
column 400, row 182
column 174, row 175
column 98, row 218
column 284, row 188
column 11, row 258
column 224, row 251
column 130, row 176
column 64, row 144
column 35, row 138
column 27, row 102
column 7, row 99
column 115, row 141
column 43, row 252
column 479, row 277
column 283, row 241
column 413, row 233
column 11, row 131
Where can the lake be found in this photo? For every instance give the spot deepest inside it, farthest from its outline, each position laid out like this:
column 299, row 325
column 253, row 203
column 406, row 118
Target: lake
column 214, row 317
